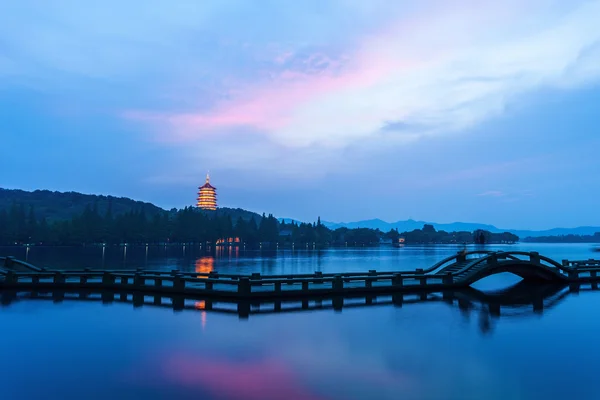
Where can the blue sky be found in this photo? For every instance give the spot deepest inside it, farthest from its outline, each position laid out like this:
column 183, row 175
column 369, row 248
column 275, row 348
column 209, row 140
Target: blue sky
column 475, row 111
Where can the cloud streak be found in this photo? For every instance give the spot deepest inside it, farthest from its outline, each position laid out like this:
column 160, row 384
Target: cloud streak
column 441, row 70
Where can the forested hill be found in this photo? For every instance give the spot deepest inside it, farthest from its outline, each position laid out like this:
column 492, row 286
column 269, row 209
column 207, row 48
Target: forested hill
column 59, row 206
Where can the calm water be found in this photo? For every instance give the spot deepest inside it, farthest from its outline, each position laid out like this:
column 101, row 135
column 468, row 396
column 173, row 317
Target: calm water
column 77, row 349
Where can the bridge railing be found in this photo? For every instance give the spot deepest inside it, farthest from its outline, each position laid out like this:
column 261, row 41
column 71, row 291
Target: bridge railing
column 10, row 262
column 447, row 261
column 581, row 263
column 532, row 257
column 537, row 258
column 243, row 286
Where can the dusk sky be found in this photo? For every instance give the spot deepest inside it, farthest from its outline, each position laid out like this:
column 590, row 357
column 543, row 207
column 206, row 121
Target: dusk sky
column 473, row 111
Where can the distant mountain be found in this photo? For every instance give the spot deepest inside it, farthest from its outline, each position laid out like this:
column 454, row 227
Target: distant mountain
column 410, row 224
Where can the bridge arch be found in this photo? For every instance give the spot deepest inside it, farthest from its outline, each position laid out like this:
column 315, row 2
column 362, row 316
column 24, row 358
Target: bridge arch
column 533, row 268
column 522, row 269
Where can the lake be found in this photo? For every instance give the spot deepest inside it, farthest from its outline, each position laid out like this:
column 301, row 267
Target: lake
column 421, row 349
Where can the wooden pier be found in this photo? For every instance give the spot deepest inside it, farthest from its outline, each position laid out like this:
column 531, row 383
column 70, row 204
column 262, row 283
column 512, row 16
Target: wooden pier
column 458, row 271
column 455, row 272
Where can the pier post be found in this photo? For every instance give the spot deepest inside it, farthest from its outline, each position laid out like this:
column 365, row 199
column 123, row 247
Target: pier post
column 373, row 272
column 244, row 288
column 6, row 297
column 9, row 261
column 448, row 279
column 138, row 280
column 494, row 309
column 463, row 305
column 178, row 303
column 538, row 305
column 83, row 279
column 338, row 283
column 178, row 283
column 422, row 279
column 574, row 288
column 10, row 278
column 58, row 296
column 108, row 279
column 397, row 281
column 158, row 282
column 243, row 307
column 59, row 278
column 107, row 297
column 35, row 279
column 448, row 296
column 368, row 283
column 573, row 275
column 318, row 275
column 338, row 303
column 138, row 300
column 305, row 286
column 461, row 257
column 397, row 299
column 208, row 285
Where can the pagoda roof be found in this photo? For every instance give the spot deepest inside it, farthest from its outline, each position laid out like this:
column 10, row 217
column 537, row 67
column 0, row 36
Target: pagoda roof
column 207, row 186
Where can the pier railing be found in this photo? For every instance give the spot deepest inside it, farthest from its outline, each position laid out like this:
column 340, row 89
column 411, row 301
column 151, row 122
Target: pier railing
column 256, row 285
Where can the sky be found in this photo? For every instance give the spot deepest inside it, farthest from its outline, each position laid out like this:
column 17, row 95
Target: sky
column 436, row 110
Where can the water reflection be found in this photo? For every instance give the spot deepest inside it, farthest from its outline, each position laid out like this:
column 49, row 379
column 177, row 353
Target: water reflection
column 205, row 265
column 386, row 347
column 234, row 259
column 520, row 301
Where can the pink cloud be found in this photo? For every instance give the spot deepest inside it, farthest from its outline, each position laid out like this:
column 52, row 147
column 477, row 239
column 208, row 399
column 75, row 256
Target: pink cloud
column 267, row 106
column 418, row 69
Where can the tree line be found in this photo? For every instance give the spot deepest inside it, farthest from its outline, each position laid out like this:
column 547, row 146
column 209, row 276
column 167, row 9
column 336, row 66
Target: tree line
column 20, row 225
column 595, row 238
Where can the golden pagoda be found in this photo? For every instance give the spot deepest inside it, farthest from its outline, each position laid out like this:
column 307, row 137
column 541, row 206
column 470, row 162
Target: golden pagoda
column 207, row 196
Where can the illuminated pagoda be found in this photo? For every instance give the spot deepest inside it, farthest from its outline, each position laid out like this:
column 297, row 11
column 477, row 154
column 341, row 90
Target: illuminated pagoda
column 207, row 196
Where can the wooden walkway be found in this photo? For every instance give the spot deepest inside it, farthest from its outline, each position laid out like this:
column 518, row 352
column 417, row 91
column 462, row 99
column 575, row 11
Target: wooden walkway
column 455, row 272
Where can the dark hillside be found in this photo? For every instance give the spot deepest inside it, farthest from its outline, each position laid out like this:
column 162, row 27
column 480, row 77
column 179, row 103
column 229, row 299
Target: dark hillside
column 58, row 206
